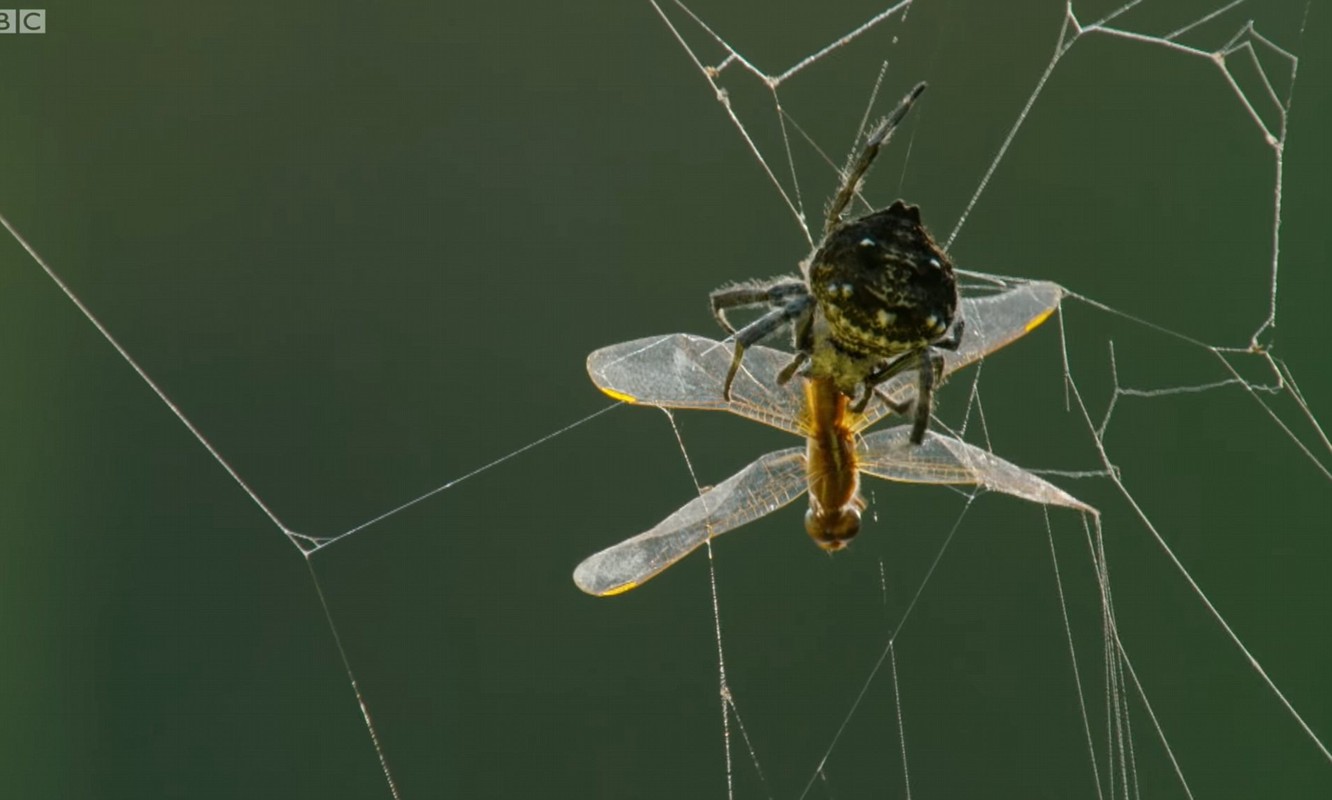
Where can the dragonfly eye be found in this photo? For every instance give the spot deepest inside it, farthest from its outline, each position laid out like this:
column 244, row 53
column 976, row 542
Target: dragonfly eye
column 831, row 530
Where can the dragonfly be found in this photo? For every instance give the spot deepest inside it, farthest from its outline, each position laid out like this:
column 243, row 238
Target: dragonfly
column 684, row 371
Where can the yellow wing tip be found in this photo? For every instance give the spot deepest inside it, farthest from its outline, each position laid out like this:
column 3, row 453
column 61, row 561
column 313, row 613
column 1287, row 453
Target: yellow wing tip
column 623, row 398
column 1035, row 323
column 621, row 589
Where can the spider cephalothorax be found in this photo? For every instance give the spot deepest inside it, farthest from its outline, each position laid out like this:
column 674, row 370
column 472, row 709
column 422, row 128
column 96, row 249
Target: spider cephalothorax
column 877, row 298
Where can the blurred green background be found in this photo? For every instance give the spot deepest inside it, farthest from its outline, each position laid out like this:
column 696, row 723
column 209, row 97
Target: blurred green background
column 366, row 249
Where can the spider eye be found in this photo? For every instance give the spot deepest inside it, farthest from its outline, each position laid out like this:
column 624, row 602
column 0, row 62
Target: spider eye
column 832, row 530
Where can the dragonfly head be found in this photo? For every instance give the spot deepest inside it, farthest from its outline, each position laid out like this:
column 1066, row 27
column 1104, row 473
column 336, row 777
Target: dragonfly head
column 832, row 529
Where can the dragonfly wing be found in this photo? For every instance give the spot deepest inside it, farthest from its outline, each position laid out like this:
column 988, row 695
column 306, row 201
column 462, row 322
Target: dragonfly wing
column 685, row 371
column 992, row 322
column 997, row 320
column 942, row 459
column 755, row 491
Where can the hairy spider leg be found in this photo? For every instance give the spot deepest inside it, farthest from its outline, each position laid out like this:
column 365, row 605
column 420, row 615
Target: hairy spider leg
column 853, row 176
column 930, row 365
column 774, row 292
column 795, row 310
column 931, row 371
column 793, row 303
column 804, row 346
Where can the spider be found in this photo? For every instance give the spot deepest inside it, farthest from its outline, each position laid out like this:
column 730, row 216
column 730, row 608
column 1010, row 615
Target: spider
column 877, row 298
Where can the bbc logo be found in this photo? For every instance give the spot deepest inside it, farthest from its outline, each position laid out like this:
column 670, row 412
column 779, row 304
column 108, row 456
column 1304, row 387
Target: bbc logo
column 22, row 20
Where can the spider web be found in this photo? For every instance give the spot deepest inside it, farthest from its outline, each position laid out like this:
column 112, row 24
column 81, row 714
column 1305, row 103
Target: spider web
column 272, row 230
column 1261, row 76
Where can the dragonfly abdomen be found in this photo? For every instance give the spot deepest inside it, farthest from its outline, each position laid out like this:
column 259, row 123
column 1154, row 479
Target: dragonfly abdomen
column 833, row 518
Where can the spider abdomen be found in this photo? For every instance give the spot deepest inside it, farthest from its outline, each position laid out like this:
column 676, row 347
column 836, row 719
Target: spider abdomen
column 883, row 285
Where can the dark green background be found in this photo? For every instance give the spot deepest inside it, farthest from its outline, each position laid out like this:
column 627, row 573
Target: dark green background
column 366, row 248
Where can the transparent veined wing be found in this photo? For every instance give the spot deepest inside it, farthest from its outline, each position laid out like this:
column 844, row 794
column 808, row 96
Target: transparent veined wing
column 992, row 323
column 778, row 478
column 941, row 459
column 686, row 371
column 755, row 491
column 997, row 320
column 681, row 370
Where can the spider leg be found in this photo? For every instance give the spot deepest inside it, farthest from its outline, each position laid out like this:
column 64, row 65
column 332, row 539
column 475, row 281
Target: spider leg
column 898, row 408
column 954, row 338
column 788, row 372
column 929, row 373
column 777, row 292
column 804, row 346
column 761, row 327
column 856, row 172
column 907, row 361
column 863, row 402
column 893, row 368
column 929, row 364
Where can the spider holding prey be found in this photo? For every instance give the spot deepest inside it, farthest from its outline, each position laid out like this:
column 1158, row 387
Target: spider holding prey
column 877, row 297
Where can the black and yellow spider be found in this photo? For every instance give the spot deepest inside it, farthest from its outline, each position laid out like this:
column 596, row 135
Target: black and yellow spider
column 878, row 297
